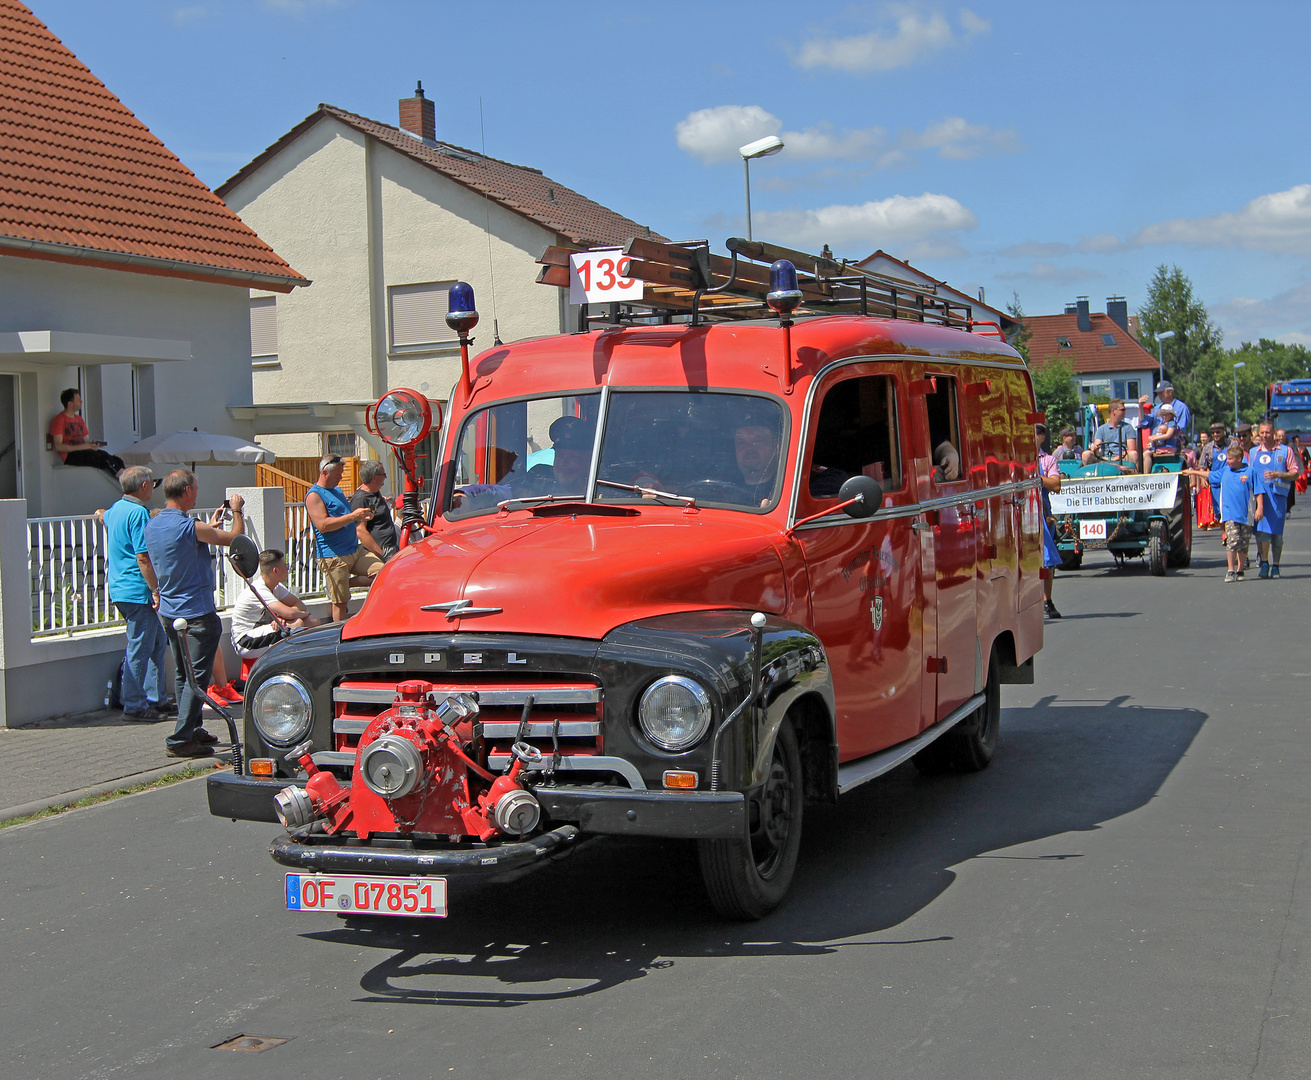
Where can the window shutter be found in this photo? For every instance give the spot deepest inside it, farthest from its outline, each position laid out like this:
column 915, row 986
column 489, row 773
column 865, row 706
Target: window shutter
column 264, row 326
column 418, row 314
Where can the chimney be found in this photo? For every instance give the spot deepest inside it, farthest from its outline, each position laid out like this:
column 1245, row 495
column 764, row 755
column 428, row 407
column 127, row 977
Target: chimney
column 1070, row 309
column 1117, row 310
column 1081, row 307
column 418, row 116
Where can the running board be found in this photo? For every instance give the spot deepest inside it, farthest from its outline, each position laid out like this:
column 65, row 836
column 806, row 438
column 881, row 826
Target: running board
column 855, row 773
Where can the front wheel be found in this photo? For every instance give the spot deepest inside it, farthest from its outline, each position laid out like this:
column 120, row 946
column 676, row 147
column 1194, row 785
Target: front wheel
column 747, row 879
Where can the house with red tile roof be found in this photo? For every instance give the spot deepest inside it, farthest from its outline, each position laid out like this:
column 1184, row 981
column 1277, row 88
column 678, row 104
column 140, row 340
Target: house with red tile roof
column 122, row 275
column 1106, row 356
column 385, row 218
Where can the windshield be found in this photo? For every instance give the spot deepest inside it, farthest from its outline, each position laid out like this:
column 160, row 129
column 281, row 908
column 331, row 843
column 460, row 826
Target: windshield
column 668, row 446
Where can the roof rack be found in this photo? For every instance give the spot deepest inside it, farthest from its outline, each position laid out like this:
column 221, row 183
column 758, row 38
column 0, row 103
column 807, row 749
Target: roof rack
column 684, row 282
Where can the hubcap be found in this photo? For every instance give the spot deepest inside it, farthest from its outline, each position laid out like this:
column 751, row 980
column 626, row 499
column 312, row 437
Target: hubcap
column 773, row 812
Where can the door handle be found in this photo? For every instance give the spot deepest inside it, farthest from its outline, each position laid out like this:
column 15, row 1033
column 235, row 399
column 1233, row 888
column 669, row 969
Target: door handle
column 921, row 526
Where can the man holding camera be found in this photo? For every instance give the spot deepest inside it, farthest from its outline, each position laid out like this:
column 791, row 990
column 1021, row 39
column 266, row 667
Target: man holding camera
column 179, row 551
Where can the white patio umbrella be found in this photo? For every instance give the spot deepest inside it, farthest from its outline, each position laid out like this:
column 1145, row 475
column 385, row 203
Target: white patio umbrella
column 195, row 448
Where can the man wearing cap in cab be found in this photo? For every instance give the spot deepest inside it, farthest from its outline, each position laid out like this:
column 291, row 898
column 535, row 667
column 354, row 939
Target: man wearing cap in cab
column 1183, row 417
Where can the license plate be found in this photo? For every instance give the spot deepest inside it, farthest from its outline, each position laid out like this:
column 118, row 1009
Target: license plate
column 418, row 896
column 1092, row 530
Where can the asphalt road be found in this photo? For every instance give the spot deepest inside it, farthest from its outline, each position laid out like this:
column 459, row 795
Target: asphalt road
column 1124, row 893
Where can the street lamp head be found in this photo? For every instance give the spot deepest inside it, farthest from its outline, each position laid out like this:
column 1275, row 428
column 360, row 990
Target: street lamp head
column 769, row 145
column 1241, row 363
column 1164, row 334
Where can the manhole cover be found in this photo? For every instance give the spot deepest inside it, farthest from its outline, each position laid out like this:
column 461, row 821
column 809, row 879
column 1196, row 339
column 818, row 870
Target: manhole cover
column 253, row 1044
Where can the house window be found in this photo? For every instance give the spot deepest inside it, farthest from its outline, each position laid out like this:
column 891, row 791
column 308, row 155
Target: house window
column 1108, row 339
column 264, row 327
column 341, row 443
column 418, row 315
column 1064, row 343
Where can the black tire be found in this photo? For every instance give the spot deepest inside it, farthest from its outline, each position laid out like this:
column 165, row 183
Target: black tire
column 1156, row 547
column 747, row 879
column 1071, row 560
column 1181, row 527
column 971, row 745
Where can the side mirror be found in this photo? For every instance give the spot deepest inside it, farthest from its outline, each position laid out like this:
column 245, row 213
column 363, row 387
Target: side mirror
column 865, row 489
column 244, row 556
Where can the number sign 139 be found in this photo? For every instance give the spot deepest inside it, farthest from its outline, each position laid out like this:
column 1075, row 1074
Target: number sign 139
column 597, row 277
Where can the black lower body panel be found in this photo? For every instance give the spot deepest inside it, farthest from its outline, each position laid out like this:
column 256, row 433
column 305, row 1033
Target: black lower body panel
column 340, row 857
column 694, row 815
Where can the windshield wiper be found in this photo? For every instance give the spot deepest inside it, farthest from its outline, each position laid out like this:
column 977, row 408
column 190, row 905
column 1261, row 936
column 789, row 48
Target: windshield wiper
column 532, row 500
column 688, row 499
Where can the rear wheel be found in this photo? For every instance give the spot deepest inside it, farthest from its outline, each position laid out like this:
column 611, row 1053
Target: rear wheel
column 971, row 744
column 747, row 879
column 1156, row 547
column 1181, row 527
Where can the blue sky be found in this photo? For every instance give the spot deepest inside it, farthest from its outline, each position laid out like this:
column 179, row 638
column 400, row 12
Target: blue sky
column 1053, row 149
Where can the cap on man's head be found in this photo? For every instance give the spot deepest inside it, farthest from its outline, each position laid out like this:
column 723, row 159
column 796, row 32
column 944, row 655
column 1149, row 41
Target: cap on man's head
column 1165, row 384
column 1244, row 429
column 570, row 433
column 1041, row 429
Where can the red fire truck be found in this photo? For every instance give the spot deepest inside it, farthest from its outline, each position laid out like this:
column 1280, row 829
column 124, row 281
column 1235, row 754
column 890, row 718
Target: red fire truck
column 734, row 548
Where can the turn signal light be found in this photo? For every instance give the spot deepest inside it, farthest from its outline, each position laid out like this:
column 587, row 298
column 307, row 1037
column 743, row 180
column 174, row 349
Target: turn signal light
column 680, row 779
column 260, row 766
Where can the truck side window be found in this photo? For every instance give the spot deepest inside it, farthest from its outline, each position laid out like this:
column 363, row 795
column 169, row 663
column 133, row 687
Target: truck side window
column 856, row 435
column 944, row 430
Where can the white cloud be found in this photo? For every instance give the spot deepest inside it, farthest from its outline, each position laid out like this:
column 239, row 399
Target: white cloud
column 1051, row 274
column 715, row 134
column 1285, row 317
column 1279, row 223
column 955, row 137
column 911, row 35
column 899, row 220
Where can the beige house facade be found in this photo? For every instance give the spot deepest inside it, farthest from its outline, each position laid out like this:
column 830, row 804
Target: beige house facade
column 384, row 220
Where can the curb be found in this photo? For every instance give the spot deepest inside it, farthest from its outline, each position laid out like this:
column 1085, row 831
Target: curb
column 68, row 798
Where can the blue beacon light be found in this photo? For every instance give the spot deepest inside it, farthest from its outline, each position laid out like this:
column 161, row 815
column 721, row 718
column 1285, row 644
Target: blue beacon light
column 784, row 294
column 461, row 313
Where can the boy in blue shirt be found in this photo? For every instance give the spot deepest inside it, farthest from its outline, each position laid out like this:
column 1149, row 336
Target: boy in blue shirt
column 1240, row 505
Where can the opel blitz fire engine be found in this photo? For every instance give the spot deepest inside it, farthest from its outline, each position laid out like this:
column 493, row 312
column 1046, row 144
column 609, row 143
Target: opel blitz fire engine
column 684, row 572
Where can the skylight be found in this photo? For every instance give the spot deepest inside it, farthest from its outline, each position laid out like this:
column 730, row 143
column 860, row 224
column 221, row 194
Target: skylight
column 1108, row 339
column 1064, row 343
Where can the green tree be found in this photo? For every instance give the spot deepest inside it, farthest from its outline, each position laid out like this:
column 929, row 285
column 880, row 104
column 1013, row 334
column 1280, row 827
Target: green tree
column 1019, row 340
column 1055, row 390
column 1171, row 305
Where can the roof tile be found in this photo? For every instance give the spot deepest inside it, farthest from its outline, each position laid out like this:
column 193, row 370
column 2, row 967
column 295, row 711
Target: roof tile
column 1087, row 351
column 519, row 188
column 77, row 168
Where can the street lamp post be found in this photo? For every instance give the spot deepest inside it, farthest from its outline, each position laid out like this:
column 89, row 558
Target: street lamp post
column 1241, row 363
column 1160, row 352
column 765, row 147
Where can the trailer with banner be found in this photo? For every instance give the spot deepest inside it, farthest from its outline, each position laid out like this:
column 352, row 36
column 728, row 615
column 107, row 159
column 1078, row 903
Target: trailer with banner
column 1131, row 515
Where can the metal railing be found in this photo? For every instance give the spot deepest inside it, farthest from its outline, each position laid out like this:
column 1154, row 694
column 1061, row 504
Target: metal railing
column 69, row 578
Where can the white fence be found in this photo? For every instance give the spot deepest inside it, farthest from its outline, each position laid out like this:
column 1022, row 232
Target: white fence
column 69, row 582
column 304, row 577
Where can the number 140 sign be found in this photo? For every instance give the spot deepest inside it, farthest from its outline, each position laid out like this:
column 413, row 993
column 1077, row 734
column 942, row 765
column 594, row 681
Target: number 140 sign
column 597, row 277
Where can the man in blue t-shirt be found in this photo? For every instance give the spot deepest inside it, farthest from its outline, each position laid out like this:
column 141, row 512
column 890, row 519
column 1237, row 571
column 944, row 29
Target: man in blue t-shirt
column 344, row 560
column 134, row 590
column 1114, row 441
column 179, row 551
column 1274, row 469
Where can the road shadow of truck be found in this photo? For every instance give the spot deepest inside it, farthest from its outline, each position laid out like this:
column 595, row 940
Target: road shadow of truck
column 619, row 910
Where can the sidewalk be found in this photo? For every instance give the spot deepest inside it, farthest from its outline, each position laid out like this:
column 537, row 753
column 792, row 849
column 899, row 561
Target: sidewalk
column 58, row 762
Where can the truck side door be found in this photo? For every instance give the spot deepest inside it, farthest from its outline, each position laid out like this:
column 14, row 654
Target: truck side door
column 864, row 572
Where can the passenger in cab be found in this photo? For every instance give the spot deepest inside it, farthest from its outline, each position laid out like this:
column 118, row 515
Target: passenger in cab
column 1069, row 448
column 1164, row 437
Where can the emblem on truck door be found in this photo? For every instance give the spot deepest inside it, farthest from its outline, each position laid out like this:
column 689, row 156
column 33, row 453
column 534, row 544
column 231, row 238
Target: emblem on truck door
column 876, row 612
column 461, row 609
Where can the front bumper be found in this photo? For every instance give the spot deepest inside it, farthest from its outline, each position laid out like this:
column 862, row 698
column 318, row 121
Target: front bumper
column 694, row 815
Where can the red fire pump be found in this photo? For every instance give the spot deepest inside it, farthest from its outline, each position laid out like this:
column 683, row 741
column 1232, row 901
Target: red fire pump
column 415, row 773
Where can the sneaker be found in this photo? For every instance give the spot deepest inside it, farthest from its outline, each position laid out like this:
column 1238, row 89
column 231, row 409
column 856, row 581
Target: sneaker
column 168, row 707
column 1274, row 571
column 1231, row 575
column 1049, row 609
column 1264, row 572
column 148, row 715
column 1240, row 576
column 230, row 694
column 205, row 738
column 188, row 750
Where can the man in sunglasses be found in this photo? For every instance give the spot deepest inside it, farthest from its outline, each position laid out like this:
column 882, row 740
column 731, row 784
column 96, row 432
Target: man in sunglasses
column 342, row 558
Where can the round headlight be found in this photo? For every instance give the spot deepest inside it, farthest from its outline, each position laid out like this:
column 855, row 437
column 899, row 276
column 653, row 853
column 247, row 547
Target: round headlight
column 675, row 712
column 281, row 710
